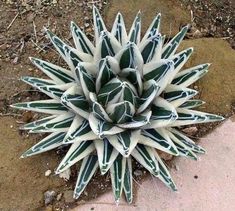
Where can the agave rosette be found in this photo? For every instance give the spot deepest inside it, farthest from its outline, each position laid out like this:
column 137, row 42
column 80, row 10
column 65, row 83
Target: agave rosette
column 123, row 98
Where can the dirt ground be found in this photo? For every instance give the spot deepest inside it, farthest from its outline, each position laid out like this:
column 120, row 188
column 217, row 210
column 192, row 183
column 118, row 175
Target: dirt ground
column 23, row 183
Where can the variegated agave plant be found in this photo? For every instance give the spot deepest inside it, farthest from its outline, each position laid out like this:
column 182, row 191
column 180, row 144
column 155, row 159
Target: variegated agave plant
column 122, row 98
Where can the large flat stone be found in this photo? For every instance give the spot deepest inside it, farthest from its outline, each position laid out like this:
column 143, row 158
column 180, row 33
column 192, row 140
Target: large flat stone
column 217, row 88
column 207, row 184
column 173, row 15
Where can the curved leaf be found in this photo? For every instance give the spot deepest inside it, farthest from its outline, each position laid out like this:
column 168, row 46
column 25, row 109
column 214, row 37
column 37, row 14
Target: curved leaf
column 58, row 74
column 73, row 98
column 81, row 41
column 117, row 172
column 58, row 124
column 79, row 130
column 103, row 128
column 159, row 139
column 145, row 156
column 87, row 170
column 177, row 95
column 189, row 76
column 119, row 29
column 134, row 34
column 127, row 185
column 153, row 28
column 125, row 141
column 170, row 48
column 106, row 154
column 164, row 174
column 52, row 141
column 42, row 106
column 76, row 152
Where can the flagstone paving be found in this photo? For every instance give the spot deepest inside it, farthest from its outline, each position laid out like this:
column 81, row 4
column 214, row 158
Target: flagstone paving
column 207, row 184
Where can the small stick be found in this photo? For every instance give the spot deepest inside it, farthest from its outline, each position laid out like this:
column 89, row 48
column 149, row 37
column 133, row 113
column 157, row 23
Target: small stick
column 35, row 32
column 9, row 26
column 41, row 49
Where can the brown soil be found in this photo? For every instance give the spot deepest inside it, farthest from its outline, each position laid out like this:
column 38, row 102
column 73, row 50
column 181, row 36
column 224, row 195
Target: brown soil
column 171, row 20
column 21, row 35
column 23, row 182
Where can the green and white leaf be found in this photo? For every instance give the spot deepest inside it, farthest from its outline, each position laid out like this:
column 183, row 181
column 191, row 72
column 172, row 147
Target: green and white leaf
column 127, row 185
column 137, row 121
column 192, row 104
column 188, row 117
column 42, row 106
column 189, row 76
column 163, row 114
column 187, row 141
column 160, row 71
column 134, row 34
column 74, row 99
column 177, row 94
column 99, row 25
column 52, row 141
column 153, row 28
column 105, row 73
column 110, row 92
column 119, row 29
column 170, row 48
column 159, row 139
column 76, row 152
column 124, row 142
column 121, row 112
column 87, row 170
column 31, row 125
column 145, row 156
column 58, row 124
column 164, row 174
column 102, row 128
column 151, row 49
column 149, row 92
column 81, row 41
column 182, row 148
column 106, row 154
column 117, row 172
column 58, row 74
column 79, row 130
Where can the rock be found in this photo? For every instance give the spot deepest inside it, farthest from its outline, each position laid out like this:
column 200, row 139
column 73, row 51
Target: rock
column 59, row 196
column 197, row 34
column 27, row 116
column 86, row 25
column 217, row 87
column 48, row 173
column 85, row 193
column 49, row 196
column 138, row 173
column 65, row 174
column 190, row 130
column 173, row 14
column 68, row 196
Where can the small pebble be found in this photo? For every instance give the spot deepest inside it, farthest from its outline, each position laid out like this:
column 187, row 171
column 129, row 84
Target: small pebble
column 48, row 173
column 86, row 25
column 190, row 130
column 49, row 196
column 138, row 173
column 59, row 196
column 65, row 174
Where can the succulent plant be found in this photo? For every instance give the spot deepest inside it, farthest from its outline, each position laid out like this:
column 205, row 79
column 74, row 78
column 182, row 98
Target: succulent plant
column 123, row 98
